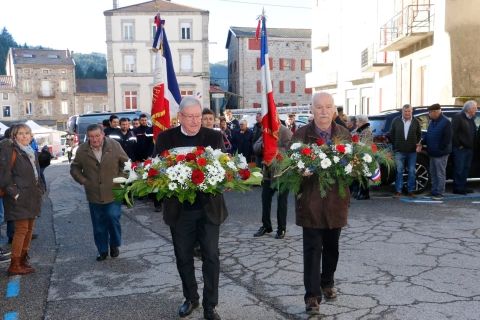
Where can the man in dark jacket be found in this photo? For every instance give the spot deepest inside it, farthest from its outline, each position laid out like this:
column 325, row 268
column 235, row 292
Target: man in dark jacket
column 113, row 130
column 144, row 135
column 127, row 138
column 405, row 135
column 463, row 140
column 439, row 145
column 242, row 141
column 198, row 221
column 257, row 133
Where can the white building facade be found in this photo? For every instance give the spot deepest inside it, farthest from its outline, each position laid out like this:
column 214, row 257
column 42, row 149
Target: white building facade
column 130, row 62
column 377, row 55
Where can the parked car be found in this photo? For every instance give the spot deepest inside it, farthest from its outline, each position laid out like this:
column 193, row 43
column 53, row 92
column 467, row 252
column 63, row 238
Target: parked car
column 380, row 125
column 78, row 123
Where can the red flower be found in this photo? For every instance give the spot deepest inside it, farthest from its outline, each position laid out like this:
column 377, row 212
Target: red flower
column 244, row 174
column 320, row 142
column 165, row 153
column 202, row 162
column 197, row 176
column 147, row 162
column 374, row 148
column 190, row 156
column 134, row 165
column 152, row 172
column 200, row 150
column 306, row 151
column 180, row 157
column 355, row 138
column 340, row 148
column 279, row 156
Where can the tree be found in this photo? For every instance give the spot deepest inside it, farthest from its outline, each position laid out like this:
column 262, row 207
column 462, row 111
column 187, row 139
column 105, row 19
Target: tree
column 6, row 42
column 90, row 66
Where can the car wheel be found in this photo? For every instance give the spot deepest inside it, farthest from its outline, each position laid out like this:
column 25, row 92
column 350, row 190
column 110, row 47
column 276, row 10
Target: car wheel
column 422, row 175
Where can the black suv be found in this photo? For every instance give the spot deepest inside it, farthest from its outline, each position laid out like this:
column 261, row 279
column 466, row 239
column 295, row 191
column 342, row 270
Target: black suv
column 381, row 124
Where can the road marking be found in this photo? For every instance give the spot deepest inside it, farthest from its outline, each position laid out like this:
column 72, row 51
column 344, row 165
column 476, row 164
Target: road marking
column 13, row 287
column 10, row 316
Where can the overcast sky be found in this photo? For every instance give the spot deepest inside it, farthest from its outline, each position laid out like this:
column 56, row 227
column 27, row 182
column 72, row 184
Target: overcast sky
column 80, row 25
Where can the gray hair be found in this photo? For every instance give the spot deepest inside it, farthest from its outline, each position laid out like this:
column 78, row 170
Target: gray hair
column 362, row 118
column 244, row 121
column 322, row 94
column 189, row 101
column 469, row 105
column 406, row 106
column 93, row 127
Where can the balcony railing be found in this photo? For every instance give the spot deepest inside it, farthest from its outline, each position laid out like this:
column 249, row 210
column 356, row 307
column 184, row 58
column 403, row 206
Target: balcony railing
column 46, row 94
column 372, row 60
column 414, row 21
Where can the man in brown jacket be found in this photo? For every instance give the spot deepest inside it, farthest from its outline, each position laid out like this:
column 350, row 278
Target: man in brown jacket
column 96, row 163
column 322, row 218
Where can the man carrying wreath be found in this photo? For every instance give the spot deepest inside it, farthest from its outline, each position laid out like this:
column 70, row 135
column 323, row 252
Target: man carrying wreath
column 198, row 221
column 321, row 218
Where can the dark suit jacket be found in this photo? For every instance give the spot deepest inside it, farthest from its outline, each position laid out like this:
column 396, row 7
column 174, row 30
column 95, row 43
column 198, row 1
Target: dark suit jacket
column 214, row 206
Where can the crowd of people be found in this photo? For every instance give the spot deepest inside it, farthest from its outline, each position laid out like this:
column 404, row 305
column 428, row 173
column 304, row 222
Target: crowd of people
column 112, row 143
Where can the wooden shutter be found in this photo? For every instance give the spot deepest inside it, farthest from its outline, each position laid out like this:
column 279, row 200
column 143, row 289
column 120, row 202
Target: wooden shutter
column 258, row 64
column 281, row 85
column 292, row 64
column 270, row 60
column 292, row 87
column 259, row 86
column 302, row 64
column 282, row 63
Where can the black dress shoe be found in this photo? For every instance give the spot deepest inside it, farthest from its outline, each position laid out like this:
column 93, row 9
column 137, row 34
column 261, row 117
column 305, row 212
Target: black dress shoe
column 211, row 314
column 262, row 231
column 280, row 234
column 187, row 307
column 114, row 252
column 102, row 256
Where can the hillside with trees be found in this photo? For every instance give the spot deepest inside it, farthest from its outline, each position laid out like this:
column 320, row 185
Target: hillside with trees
column 6, row 42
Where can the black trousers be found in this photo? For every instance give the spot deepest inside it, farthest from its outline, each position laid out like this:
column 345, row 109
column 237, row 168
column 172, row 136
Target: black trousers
column 282, row 206
column 190, row 227
column 319, row 245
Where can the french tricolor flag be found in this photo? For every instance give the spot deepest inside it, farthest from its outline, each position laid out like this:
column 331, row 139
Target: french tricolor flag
column 166, row 94
column 270, row 122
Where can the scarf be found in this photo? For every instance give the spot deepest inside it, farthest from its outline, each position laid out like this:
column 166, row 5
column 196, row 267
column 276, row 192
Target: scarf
column 31, row 156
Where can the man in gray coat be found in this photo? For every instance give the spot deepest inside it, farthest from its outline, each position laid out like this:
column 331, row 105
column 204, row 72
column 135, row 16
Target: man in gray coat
column 96, row 163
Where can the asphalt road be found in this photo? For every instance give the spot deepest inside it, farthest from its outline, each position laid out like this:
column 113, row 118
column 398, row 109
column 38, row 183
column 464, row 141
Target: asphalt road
column 399, row 259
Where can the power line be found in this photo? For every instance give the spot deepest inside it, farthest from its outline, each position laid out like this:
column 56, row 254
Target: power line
column 267, row 4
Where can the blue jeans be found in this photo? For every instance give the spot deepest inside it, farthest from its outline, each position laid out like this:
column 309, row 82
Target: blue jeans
column 462, row 160
column 411, row 159
column 106, row 225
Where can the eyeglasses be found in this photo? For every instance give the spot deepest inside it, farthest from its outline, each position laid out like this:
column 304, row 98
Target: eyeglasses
column 191, row 116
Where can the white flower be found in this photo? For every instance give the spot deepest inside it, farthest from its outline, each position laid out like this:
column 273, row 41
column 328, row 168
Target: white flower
column 172, row 186
column 119, row 180
column 322, row 155
column 295, row 156
column 325, row 163
column 155, row 160
column 295, row 146
column 348, row 168
column 231, row 165
column 217, row 153
column 300, row 164
column 367, row 158
column 145, row 175
column 132, row 176
column 242, row 161
column 257, row 174
column 348, row 148
column 336, row 159
column 128, row 165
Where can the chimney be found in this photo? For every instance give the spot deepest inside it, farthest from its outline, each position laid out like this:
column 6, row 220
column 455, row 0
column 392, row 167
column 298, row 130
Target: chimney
column 115, row 4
